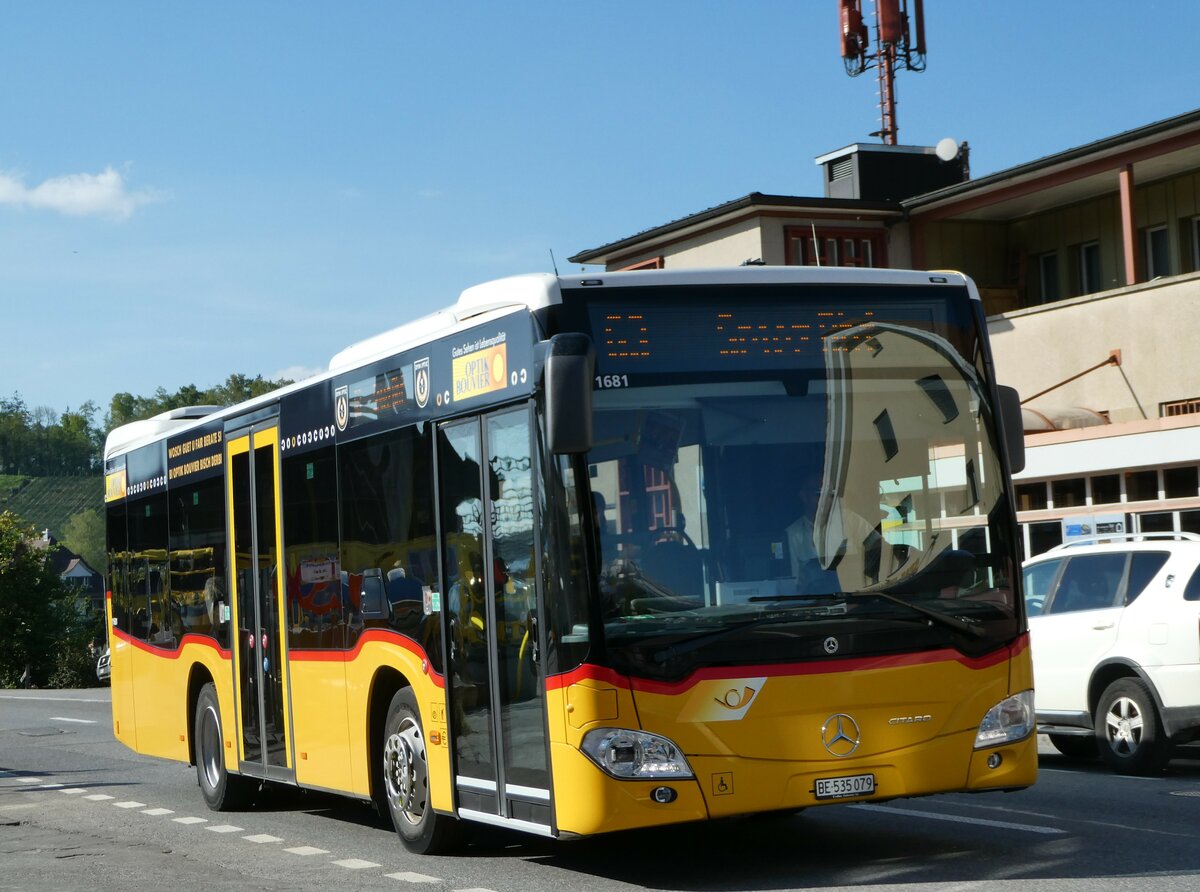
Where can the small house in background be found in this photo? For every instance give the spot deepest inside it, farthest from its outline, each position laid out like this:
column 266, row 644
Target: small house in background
column 74, row 570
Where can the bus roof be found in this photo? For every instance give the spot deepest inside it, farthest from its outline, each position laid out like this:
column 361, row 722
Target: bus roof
column 531, row 292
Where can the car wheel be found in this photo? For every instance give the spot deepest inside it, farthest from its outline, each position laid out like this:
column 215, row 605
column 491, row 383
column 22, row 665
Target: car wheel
column 1075, row 746
column 406, row 782
column 1129, row 732
column 221, row 790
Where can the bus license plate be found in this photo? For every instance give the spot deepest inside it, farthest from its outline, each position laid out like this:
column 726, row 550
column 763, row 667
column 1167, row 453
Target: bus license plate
column 845, row 787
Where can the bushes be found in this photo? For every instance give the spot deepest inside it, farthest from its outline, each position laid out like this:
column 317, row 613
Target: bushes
column 44, row 627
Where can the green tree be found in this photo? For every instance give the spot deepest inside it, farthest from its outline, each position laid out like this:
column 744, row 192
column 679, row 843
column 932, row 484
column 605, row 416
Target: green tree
column 43, row 626
column 125, row 407
column 83, row 533
column 38, row 442
column 15, row 422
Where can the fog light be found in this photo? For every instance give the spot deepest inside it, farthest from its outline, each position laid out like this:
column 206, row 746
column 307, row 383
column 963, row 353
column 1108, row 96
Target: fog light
column 994, row 760
column 663, row 795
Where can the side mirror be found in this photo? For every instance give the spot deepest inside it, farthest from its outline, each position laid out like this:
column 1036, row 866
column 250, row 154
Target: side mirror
column 569, row 369
column 1012, row 427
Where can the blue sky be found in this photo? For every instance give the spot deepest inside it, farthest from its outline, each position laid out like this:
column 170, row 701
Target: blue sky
column 190, row 190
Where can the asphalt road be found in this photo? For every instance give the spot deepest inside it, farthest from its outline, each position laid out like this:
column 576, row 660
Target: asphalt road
column 79, row 811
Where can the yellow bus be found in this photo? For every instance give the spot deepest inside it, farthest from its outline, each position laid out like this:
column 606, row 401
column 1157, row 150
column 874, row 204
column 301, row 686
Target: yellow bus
column 590, row 553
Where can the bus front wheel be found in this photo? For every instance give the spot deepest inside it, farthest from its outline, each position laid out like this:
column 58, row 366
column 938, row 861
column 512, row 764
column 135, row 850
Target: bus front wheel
column 221, row 790
column 406, row 781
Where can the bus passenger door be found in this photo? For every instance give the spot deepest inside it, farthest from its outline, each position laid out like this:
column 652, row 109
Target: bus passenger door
column 260, row 673
column 496, row 689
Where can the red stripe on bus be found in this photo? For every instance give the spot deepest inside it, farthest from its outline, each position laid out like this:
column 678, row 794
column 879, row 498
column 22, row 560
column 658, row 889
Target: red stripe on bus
column 314, row 656
column 387, row 636
column 780, row 670
column 173, row 653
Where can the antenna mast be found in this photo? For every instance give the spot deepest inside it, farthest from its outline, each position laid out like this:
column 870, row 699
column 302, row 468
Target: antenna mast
column 897, row 47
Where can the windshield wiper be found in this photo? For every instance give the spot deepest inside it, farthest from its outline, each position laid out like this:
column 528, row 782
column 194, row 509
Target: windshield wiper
column 691, row 644
column 950, row 622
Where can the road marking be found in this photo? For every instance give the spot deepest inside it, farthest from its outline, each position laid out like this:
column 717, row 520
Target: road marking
column 52, row 786
column 476, row 889
column 1110, row 775
column 224, row 828
column 129, row 804
column 99, row 797
column 307, row 850
column 29, row 780
column 260, row 837
column 71, row 791
column 1075, row 820
column 190, row 820
column 157, row 812
column 958, row 819
column 355, row 864
column 60, row 718
column 53, row 699
column 410, row 877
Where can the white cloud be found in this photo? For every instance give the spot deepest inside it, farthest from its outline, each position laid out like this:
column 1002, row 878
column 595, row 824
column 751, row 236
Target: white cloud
column 102, row 194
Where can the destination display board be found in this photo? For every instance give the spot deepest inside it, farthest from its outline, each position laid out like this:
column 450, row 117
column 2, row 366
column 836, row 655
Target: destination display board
column 683, row 329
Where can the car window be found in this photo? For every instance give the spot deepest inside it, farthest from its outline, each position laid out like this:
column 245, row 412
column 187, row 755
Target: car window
column 1192, row 592
column 1089, row 582
column 1038, row 579
column 1143, row 566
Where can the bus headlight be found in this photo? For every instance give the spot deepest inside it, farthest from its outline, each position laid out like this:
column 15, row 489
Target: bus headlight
column 635, row 755
column 1010, row 719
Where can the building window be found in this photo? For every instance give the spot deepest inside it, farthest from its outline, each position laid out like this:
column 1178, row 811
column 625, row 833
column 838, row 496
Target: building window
column 1159, row 522
column 1141, row 486
column 1180, row 483
column 1158, row 253
column 1068, row 493
column 1194, row 239
column 1048, row 277
column 1031, row 496
column 1106, row 489
column 1179, row 407
column 1089, row 268
column 1044, row 536
column 822, row 246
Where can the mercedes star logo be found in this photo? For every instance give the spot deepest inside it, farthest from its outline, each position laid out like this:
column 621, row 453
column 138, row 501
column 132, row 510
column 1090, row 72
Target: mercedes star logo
column 831, row 645
column 840, row 735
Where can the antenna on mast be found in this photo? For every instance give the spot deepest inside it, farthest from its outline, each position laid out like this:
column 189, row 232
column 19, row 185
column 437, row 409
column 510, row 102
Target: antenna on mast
column 897, row 47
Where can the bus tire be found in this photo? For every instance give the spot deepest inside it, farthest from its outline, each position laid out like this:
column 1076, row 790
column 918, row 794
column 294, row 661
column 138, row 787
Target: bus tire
column 406, row 782
column 221, row 790
column 1129, row 732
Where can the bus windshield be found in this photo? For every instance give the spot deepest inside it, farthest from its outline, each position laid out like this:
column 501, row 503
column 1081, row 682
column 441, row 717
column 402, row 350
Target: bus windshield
column 779, row 481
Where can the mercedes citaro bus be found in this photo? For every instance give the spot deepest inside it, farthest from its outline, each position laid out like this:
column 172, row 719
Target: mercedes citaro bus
column 589, row 553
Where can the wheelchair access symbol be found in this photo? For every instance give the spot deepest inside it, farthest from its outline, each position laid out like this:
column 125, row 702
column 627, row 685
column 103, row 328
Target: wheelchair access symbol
column 722, row 783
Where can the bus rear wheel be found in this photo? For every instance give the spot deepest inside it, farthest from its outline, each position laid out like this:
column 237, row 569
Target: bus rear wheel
column 221, row 790
column 406, row 782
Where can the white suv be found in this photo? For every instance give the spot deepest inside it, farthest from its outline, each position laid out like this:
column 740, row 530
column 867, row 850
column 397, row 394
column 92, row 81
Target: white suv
column 1115, row 625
